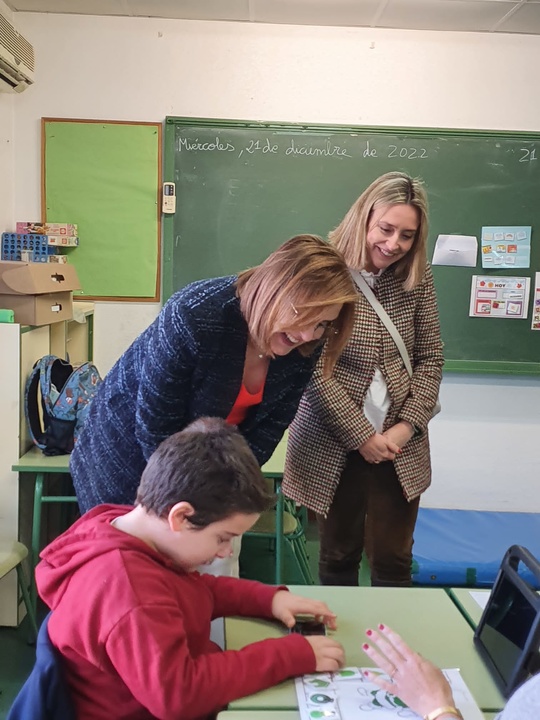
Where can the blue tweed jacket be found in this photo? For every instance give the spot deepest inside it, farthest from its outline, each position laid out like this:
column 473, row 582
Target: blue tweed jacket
column 187, row 364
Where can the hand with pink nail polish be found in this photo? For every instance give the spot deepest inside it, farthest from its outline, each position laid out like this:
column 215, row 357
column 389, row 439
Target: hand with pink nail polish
column 417, row 681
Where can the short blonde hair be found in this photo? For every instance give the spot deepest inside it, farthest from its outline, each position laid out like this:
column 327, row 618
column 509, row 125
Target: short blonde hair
column 393, row 188
column 291, row 286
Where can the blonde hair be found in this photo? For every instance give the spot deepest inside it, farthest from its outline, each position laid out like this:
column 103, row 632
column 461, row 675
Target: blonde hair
column 291, row 286
column 393, row 188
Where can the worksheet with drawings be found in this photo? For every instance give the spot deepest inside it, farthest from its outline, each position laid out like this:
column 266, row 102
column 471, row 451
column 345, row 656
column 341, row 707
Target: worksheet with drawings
column 349, row 695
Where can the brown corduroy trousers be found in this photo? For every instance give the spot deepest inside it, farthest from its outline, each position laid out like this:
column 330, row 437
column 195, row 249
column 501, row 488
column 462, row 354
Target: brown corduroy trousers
column 368, row 511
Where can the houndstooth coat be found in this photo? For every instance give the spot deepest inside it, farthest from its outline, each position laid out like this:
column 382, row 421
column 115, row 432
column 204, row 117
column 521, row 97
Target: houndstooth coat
column 330, row 421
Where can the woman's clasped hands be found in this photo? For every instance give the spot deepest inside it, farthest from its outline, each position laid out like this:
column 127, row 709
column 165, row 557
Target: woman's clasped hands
column 385, row 446
column 378, row 448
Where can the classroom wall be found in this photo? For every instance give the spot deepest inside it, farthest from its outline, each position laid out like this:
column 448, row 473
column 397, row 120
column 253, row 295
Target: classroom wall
column 6, row 148
column 6, row 160
column 485, row 442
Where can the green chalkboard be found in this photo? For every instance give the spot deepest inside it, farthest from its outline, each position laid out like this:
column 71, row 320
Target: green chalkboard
column 105, row 177
column 243, row 188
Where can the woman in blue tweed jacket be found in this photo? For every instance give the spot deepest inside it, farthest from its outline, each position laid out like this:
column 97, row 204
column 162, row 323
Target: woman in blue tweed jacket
column 260, row 332
column 358, row 449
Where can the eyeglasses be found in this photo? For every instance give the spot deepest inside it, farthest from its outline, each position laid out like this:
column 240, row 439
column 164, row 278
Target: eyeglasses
column 321, row 328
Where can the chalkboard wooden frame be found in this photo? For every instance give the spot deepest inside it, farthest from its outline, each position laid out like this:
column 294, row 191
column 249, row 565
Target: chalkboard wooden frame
column 105, row 175
column 452, row 196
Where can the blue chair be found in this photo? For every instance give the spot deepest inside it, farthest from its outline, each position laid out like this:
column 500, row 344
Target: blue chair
column 44, row 695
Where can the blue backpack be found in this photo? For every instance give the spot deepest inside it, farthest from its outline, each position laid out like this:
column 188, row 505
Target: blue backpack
column 65, row 394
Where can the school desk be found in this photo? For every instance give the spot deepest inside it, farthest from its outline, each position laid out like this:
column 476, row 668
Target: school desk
column 467, row 605
column 273, row 469
column 274, row 466
column 426, row 617
column 259, row 715
column 281, row 715
column 37, row 465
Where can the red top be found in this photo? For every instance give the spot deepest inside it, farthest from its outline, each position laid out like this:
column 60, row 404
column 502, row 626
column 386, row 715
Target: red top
column 133, row 629
column 243, row 402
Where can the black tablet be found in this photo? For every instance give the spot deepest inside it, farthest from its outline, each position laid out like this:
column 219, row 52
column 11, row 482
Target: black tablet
column 508, row 635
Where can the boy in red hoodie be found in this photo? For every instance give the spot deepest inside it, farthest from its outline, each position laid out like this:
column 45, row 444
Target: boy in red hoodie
column 131, row 616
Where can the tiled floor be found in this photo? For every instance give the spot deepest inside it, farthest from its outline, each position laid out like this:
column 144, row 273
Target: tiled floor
column 16, row 661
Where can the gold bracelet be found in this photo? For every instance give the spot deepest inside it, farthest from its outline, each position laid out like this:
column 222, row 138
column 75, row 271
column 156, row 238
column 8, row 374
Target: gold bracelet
column 445, row 710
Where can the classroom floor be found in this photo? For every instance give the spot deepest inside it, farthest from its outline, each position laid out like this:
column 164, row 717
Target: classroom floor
column 17, row 657
column 16, row 661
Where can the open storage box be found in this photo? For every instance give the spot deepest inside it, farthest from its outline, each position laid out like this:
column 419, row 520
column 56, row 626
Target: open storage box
column 38, row 293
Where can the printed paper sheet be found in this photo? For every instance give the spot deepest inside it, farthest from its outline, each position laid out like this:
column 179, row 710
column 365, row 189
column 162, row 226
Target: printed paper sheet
column 349, row 695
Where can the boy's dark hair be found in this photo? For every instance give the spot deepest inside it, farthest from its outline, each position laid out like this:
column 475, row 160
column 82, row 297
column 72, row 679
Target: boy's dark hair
column 209, row 465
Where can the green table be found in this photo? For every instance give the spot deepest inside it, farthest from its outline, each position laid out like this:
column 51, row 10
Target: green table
column 467, row 605
column 39, row 465
column 275, row 465
column 280, row 715
column 426, row 617
column 273, row 469
column 259, row 715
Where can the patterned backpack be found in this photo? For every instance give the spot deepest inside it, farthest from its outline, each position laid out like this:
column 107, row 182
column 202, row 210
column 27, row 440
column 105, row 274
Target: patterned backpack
column 65, row 395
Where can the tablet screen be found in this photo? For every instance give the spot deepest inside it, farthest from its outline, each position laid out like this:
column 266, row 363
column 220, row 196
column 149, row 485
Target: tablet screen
column 508, row 632
column 508, row 622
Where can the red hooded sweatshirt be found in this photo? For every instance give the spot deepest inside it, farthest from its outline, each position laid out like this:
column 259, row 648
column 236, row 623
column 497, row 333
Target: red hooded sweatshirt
column 134, row 629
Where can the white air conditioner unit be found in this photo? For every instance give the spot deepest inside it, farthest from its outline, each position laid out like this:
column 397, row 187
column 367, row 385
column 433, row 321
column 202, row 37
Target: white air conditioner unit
column 16, row 59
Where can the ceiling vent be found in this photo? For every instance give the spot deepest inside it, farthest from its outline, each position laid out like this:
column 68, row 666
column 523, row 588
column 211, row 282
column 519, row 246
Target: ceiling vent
column 16, row 59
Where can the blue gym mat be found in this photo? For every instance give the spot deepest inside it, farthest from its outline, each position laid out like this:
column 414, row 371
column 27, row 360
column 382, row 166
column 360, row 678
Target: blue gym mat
column 465, row 547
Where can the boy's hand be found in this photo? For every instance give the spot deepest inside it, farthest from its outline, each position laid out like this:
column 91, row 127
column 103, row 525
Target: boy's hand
column 329, row 654
column 286, row 605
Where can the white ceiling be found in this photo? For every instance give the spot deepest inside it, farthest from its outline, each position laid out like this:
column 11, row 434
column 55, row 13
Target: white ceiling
column 496, row 16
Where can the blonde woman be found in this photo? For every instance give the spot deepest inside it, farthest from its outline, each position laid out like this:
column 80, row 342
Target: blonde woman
column 240, row 347
column 358, row 451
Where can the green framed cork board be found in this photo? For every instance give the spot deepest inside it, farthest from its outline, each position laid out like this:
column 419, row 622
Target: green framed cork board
column 105, row 176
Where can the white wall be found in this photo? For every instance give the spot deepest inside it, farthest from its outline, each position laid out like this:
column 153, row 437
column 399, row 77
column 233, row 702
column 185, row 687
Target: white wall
column 485, row 443
column 6, row 149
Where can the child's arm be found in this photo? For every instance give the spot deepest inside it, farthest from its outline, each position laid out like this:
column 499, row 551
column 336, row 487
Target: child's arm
column 249, row 598
column 149, row 649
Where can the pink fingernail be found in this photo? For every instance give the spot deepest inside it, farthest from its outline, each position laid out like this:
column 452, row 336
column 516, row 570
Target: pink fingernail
column 381, row 627
column 365, row 646
column 369, row 633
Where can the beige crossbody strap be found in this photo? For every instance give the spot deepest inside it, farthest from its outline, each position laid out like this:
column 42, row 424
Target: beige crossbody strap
column 364, row 288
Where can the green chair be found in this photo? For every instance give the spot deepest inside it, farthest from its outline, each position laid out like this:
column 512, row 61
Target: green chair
column 282, row 526
column 12, row 555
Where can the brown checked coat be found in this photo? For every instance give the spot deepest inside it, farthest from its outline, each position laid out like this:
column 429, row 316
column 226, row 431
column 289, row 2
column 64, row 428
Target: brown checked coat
column 330, row 421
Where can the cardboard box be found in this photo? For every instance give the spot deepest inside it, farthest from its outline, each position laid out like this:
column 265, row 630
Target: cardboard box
column 40, row 309
column 47, row 228
column 64, row 240
column 38, row 293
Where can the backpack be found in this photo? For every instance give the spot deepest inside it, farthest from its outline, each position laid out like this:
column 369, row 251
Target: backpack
column 65, row 395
